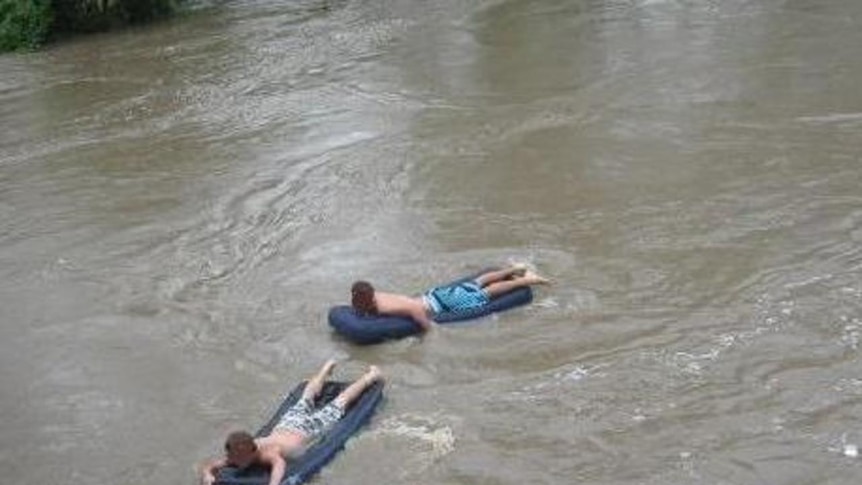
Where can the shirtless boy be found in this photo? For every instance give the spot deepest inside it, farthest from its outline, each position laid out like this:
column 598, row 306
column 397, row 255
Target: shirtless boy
column 296, row 430
column 453, row 298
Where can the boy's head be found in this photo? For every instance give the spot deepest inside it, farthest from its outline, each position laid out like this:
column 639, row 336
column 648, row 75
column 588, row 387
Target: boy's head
column 362, row 298
column 240, row 449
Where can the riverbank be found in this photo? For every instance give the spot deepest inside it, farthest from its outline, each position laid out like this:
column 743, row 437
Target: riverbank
column 28, row 24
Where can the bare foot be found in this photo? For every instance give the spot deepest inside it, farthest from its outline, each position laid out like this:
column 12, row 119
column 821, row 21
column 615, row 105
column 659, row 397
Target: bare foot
column 328, row 367
column 534, row 279
column 518, row 269
column 372, row 374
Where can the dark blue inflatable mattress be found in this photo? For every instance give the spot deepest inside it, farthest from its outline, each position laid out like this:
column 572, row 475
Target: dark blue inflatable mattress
column 372, row 329
column 318, row 455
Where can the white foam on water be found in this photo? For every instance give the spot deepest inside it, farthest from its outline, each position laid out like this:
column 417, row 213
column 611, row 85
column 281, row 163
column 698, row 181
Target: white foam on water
column 853, row 385
column 547, row 302
column 846, row 448
column 771, row 317
column 577, row 374
column 831, row 118
column 851, row 332
column 570, row 302
column 649, row 3
column 438, row 437
column 808, row 281
column 555, row 383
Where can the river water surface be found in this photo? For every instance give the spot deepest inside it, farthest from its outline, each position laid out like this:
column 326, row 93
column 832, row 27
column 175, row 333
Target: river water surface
column 181, row 203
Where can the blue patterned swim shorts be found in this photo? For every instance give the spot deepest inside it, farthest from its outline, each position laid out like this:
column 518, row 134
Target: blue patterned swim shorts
column 456, row 299
column 303, row 418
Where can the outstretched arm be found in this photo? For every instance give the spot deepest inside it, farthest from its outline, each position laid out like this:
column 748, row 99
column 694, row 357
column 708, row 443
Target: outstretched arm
column 277, row 467
column 210, row 468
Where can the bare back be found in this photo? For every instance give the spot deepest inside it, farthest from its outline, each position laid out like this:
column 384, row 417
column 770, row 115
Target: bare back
column 286, row 443
column 395, row 304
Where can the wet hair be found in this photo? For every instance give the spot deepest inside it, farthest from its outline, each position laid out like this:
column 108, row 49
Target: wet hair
column 362, row 298
column 239, row 441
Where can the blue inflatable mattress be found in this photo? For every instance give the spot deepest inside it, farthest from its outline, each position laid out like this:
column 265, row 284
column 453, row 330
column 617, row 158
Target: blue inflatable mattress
column 320, row 453
column 372, row 329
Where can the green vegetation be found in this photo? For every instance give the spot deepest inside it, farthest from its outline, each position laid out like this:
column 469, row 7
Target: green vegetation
column 26, row 24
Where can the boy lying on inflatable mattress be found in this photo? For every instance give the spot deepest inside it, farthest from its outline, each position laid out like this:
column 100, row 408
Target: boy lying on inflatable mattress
column 297, row 430
column 443, row 302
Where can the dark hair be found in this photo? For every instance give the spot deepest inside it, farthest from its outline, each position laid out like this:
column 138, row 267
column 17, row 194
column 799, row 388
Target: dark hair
column 362, row 298
column 239, row 440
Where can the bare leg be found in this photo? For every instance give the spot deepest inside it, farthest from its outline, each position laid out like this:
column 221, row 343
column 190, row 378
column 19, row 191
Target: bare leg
column 354, row 390
column 315, row 384
column 486, row 279
column 501, row 287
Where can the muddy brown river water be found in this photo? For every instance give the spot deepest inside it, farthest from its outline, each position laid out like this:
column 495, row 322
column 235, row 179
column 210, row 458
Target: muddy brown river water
column 181, row 203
